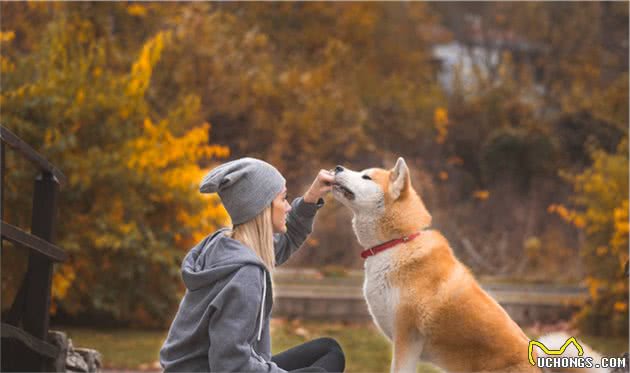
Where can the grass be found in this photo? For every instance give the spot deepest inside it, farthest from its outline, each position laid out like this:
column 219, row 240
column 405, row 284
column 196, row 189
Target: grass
column 120, row 348
column 365, row 348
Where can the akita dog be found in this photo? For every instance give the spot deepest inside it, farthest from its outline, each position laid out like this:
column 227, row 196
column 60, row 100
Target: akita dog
column 420, row 296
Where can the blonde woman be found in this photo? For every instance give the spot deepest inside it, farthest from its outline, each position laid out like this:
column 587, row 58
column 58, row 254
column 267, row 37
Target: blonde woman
column 222, row 324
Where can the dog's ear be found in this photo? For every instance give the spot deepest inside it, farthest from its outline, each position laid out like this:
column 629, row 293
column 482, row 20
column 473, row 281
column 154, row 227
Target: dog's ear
column 399, row 179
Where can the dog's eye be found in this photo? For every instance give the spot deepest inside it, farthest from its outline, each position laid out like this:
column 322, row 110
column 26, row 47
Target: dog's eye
column 366, row 177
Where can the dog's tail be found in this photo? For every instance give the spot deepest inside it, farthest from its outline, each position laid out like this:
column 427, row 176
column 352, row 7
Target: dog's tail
column 571, row 346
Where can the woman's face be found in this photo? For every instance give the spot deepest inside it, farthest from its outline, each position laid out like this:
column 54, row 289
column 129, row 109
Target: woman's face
column 279, row 210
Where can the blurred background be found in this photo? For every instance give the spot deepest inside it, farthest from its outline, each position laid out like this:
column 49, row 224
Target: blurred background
column 513, row 118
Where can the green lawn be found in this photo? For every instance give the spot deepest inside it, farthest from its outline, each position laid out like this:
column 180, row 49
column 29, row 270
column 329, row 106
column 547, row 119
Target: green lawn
column 366, row 350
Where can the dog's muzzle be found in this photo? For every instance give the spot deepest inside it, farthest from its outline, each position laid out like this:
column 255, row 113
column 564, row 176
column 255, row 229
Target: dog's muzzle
column 345, row 192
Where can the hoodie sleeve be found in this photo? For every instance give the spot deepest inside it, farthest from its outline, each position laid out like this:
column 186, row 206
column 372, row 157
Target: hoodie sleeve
column 299, row 226
column 234, row 324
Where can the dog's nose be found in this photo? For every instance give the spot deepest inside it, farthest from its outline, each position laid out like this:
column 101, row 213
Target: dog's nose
column 338, row 169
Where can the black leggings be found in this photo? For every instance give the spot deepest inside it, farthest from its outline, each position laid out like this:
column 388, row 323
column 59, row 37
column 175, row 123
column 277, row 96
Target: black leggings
column 318, row 355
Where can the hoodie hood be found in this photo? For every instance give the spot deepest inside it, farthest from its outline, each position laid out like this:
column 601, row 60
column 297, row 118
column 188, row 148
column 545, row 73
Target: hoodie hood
column 214, row 258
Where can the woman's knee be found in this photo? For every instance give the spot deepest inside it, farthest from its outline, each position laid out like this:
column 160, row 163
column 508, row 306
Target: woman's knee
column 339, row 356
column 335, row 349
column 330, row 343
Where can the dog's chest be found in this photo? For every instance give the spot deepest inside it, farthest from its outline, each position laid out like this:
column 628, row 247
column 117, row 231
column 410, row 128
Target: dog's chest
column 381, row 298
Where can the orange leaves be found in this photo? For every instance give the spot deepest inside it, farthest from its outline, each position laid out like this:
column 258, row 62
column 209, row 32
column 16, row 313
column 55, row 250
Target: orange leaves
column 440, row 121
column 570, row 216
column 136, row 9
column 621, row 307
column 481, row 194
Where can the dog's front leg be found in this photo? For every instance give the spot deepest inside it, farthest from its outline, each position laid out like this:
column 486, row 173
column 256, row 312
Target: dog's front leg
column 406, row 356
column 407, row 348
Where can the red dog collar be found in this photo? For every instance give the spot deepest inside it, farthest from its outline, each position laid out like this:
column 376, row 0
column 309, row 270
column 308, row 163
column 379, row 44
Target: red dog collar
column 389, row 244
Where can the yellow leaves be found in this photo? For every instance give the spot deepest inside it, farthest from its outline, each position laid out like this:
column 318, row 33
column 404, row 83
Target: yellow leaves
column 601, row 194
column 136, row 9
column 621, row 307
column 142, row 69
column 481, row 194
column 217, row 151
column 6, row 65
column 124, row 113
column 6, row 36
column 601, row 251
column 579, row 221
column 593, row 286
column 255, row 39
column 51, row 135
column 159, row 149
column 558, row 209
column 440, row 121
column 204, row 220
column 117, row 209
column 173, row 163
column 533, row 247
column 80, row 97
column 621, row 225
column 62, row 280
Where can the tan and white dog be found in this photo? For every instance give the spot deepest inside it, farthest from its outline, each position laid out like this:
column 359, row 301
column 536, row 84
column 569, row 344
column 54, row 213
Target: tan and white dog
column 420, row 296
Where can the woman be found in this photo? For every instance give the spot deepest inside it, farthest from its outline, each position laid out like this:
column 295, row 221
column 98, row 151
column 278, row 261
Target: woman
column 223, row 320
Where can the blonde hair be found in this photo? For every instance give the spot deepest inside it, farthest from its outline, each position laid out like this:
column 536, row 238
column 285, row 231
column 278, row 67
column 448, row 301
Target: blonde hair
column 257, row 234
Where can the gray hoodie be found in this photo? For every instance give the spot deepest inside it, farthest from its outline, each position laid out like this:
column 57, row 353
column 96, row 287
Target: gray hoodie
column 222, row 324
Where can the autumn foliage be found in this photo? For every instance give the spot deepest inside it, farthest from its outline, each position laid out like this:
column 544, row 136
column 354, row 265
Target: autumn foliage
column 519, row 148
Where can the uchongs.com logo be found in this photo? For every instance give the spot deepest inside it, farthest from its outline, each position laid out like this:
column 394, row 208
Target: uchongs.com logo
column 554, row 359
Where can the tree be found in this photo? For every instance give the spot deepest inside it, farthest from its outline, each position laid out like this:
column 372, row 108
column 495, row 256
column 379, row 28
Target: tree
column 600, row 210
column 131, row 208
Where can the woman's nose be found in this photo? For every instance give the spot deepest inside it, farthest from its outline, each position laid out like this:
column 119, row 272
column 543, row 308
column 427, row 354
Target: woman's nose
column 288, row 207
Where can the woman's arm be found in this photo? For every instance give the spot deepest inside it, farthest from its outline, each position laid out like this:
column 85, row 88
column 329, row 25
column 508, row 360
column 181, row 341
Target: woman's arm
column 300, row 218
column 299, row 226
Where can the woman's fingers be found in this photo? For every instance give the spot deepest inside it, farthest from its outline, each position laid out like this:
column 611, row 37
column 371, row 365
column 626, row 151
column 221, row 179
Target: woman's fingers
column 325, row 177
column 321, row 185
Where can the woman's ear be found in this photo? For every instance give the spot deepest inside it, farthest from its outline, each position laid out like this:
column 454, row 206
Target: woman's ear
column 398, row 179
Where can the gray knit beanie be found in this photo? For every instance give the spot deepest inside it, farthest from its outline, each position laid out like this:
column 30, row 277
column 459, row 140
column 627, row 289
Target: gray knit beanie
column 246, row 187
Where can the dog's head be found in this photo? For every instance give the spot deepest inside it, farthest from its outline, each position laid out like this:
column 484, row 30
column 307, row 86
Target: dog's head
column 386, row 195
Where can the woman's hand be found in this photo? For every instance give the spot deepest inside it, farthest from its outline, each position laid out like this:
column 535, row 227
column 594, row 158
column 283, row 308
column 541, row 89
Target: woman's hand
column 321, row 186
